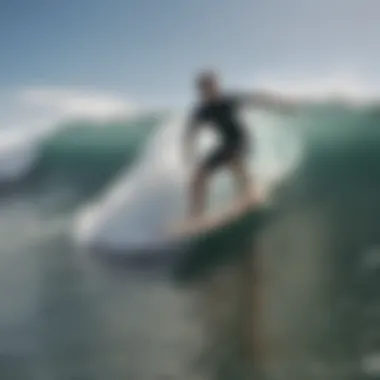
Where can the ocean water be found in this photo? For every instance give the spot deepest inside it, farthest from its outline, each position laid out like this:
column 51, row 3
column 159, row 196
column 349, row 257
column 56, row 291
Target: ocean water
column 289, row 293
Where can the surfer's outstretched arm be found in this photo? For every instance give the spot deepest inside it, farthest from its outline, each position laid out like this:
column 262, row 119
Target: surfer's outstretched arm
column 268, row 100
column 192, row 126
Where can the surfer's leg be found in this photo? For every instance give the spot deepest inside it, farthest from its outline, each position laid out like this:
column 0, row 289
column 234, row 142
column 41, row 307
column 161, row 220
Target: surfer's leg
column 198, row 193
column 240, row 171
column 200, row 181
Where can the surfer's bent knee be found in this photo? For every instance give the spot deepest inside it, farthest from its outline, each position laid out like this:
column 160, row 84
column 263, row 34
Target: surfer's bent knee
column 199, row 177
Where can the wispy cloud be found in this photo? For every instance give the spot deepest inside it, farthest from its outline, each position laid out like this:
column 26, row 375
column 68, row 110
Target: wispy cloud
column 38, row 106
column 73, row 102
column 344, row 83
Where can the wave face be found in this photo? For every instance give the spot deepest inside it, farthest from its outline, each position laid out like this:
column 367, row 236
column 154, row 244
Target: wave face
column 125, row 179
column 85, row 154
column 149, row 197
column 79, row 156
column 83, row 150
column 141, row 206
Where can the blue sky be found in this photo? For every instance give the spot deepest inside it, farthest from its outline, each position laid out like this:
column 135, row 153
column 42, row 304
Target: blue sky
column 148, row 51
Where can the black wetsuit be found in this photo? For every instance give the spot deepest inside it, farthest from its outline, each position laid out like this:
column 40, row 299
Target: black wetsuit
column 222, row 115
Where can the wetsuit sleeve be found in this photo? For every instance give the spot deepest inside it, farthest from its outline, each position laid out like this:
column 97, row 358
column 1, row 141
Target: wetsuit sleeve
column 261, row 99
column 237, row 100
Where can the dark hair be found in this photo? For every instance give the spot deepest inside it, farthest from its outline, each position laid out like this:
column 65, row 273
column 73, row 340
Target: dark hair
column 206, row 77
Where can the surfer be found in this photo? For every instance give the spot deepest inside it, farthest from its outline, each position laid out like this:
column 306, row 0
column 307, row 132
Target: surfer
column 221, row 111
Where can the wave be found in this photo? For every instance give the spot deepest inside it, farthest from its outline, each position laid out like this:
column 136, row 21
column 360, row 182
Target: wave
column 123, row 181
column 140, row 206
column 85, row 149
column 80, row 152
column 136, row 209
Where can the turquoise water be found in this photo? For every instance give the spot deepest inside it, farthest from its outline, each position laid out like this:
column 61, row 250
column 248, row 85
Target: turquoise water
column 313, row 260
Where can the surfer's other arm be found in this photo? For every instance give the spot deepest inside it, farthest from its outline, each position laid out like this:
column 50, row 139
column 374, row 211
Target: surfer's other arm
column 195, row 121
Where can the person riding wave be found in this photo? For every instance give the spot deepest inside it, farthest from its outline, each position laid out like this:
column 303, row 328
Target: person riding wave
column 221, row 111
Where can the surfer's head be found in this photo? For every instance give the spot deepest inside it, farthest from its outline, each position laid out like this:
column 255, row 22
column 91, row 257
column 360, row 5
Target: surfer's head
column 208, row 85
